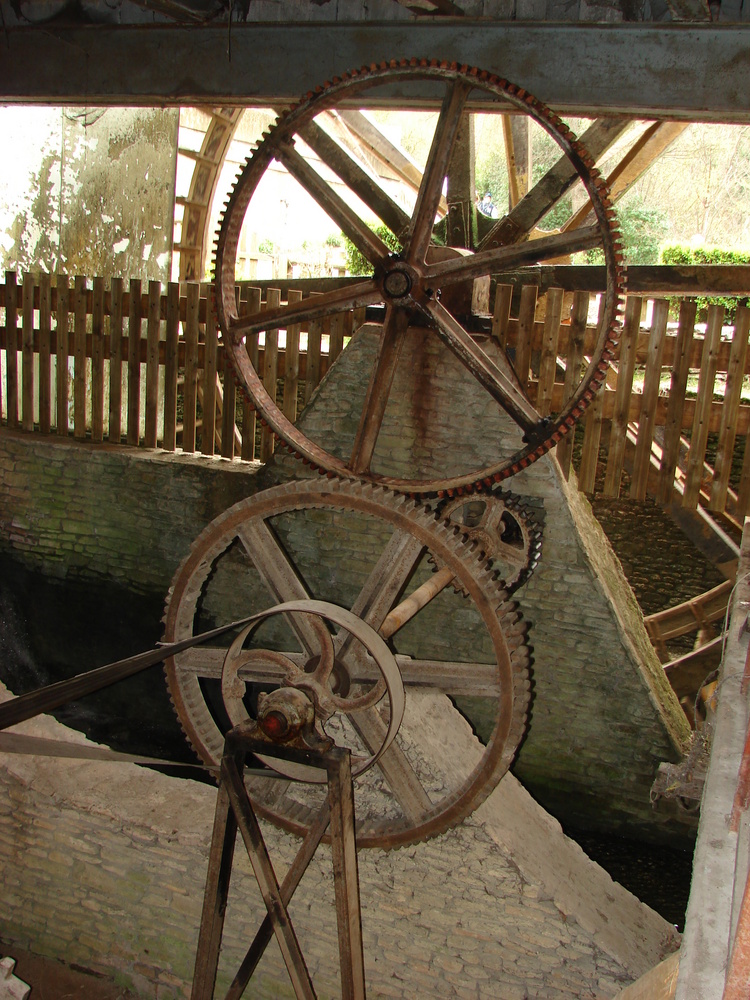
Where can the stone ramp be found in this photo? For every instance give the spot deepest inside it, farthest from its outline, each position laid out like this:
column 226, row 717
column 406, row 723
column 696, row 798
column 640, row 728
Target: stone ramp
column 105, row 864
column 603, row 715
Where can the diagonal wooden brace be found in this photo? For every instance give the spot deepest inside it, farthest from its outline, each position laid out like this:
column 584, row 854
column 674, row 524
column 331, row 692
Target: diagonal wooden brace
column 234, row 812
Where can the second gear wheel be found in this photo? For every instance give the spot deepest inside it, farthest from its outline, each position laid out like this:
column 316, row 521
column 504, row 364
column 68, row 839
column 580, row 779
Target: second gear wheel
column 366, row 549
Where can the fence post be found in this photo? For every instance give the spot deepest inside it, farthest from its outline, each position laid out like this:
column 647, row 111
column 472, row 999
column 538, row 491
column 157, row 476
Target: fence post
column 45, row 342
column 190, row 385
column 27, row 350
column 97, row 361
column 79, row 361
column 677, row 387
column 134, row 364
column 208, row 431
column 63, row 305
column 649, row 400
column 171, row 362
column 114, row 431
column 11, row 347
column 153, row 328
column 573, row 374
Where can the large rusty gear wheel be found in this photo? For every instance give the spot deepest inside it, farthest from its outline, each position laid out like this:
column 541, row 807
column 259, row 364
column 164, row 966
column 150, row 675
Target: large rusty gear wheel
column 503, row 528
column 368, row 549
column 416, row 285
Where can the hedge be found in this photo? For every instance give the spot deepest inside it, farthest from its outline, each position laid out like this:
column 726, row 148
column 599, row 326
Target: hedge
column 682, row 255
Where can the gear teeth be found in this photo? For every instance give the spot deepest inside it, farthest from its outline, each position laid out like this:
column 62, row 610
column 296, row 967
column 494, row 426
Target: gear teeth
column 289, row 122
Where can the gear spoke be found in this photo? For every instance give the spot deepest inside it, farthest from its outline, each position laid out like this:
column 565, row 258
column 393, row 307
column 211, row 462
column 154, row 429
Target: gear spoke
column 379, row 388
column 399, row 775
column 327, row 529
column 364, row 239
column 420, row 231
column 423, row 280
column 364, row 293
column 507, row 258
column 356, row 179
column 503, row 389
column 283, row 583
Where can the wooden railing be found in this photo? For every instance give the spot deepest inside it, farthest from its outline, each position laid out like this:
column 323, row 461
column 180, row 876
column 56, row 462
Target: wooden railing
column 117, row 363
column 123, row 363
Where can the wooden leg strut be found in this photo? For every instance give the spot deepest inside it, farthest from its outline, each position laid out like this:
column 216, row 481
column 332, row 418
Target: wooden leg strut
column 234, row 812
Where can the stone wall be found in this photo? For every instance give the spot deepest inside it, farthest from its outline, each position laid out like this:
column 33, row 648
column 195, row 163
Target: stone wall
column 104, row 865
column 79, row 510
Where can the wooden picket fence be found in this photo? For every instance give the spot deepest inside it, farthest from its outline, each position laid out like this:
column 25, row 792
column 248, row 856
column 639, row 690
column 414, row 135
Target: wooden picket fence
column 148, row 368
column 121, row 363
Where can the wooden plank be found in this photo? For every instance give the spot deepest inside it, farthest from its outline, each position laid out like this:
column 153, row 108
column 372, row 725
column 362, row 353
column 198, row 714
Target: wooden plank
column 45, row 353
column 79, row 361
column 548, row 359
column 208, row 381
column 614, row 82
column 97, row 361
column 27, row 353
column 61, row 372
column 676, row 405
column 313, row 371
column 270, row 372
column 250, row 299
column 153, row 331
column 133, row 432
column 336, row 337
column 729, row 413
column 621, row 416
column 573, row 370
column 228, row 410
column 291, row 363
column 704, row 396
column 643, row 279
column 651, row 382
column 114, row 431
column 592, row 433
column 172, row 334
column 190, row 384
column 11, row 348
column 524, row 337
column 659, row 983
column 501, row 314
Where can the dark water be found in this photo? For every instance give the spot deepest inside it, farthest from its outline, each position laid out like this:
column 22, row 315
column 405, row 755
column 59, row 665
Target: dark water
column 659, row 876
column 50, row 630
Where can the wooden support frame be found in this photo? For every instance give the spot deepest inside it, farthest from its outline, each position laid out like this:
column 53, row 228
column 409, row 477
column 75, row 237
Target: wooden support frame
column 673, row 76
column 234, row 813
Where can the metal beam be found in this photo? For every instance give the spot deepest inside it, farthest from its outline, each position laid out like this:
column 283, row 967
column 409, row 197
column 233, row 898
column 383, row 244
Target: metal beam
column 652, row 71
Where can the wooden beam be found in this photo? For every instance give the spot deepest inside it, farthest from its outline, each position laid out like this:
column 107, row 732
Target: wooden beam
column 647, row 70
column 643, row 279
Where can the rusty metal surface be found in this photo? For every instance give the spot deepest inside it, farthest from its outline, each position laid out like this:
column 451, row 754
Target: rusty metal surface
column 409, row 533
column 410, row 283
column 310, row 686
column 505, row 530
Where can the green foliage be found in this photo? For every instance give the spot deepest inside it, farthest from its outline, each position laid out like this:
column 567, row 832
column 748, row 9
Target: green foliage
column 357, row 263
column 266, row 246
column 680, row 255
column 642, row 229
column 333, row 240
